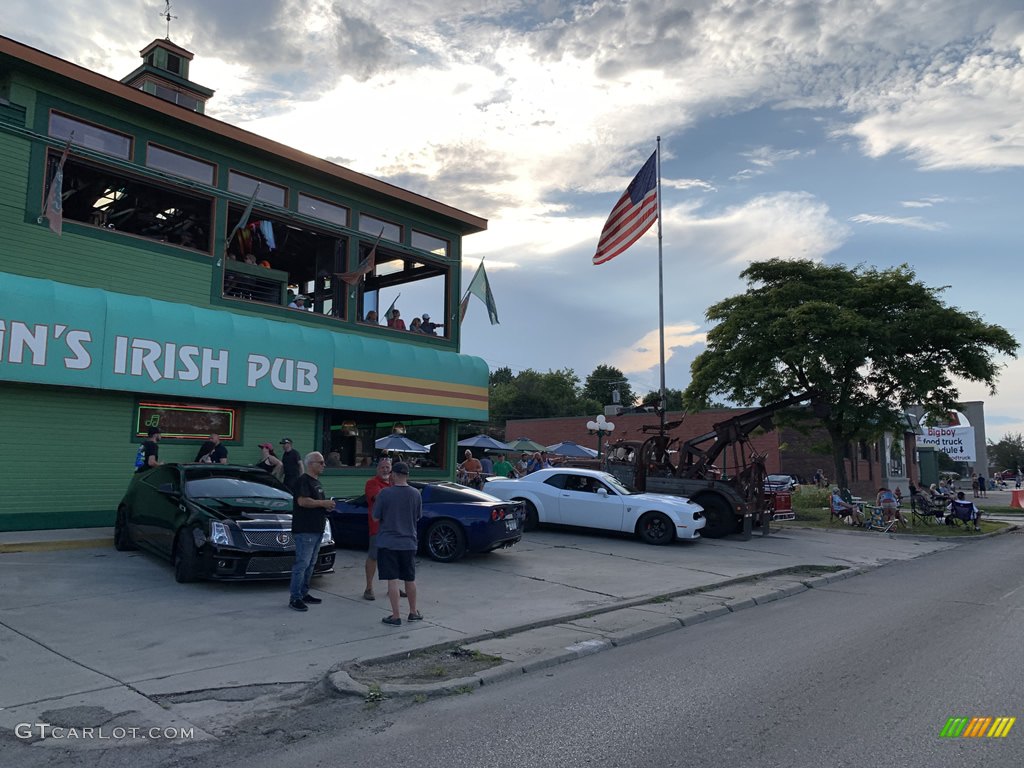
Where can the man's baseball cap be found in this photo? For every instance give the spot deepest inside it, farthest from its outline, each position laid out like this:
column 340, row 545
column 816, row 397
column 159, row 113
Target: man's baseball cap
column 400, row 468
column 153, row 431
column 286, row 440
column 426, row 316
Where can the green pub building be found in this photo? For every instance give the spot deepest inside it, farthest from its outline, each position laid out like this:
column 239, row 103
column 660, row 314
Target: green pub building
column 161, row 267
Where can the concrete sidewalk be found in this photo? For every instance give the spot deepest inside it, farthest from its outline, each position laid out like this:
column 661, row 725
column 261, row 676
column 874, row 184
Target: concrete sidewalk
column 90, row 635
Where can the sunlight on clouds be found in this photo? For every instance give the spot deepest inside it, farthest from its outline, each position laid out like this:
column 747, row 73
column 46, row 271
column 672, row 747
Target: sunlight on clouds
column 914, row 222
column 644, row 353
column 1003, row 411
column 788, row 225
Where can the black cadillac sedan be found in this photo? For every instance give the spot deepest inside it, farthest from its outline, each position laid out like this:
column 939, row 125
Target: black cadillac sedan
column 213, row 521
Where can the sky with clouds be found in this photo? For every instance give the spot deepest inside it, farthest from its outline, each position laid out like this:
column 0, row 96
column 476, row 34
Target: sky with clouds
column 875, row 132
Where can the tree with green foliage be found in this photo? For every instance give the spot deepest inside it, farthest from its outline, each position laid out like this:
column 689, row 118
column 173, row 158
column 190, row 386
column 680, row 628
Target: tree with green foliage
column 673, row 396
column 1008, row 453
column 602, row 381
column 530, row 394
column 862, row 343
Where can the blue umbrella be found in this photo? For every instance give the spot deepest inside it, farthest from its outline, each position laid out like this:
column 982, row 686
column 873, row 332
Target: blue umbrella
column 571, row 449
column 483, row 441
column 399, row 443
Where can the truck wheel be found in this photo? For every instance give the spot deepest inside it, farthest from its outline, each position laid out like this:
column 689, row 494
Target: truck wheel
column 721, row 520
column 655, row 528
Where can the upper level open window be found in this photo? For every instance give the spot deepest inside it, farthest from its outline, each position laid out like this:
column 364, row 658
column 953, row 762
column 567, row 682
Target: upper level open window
column 114, row 200
column 402, row 289
column 273, row 261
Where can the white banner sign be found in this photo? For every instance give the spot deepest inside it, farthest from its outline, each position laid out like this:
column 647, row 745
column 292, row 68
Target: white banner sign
column 955, row 442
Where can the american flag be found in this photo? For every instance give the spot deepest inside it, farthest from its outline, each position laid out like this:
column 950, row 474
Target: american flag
column 632, row 215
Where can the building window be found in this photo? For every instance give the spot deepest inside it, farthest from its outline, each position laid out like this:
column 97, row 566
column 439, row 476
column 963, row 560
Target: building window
column 175, row 96
column 374, row 226
column 241, row 184
column 92, row 136
column 271, row 260
column 180, row 165
column 411, row 286
column 113, row 200
column 350, row 438
column 429, row 243
column 321, row 209
column 173, row 63
column 187, row 420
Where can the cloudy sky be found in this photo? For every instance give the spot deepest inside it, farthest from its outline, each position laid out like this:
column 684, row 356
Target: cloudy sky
column 873, row 132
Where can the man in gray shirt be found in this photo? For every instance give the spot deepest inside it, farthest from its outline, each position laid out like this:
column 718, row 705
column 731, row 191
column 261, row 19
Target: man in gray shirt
column 398, row 509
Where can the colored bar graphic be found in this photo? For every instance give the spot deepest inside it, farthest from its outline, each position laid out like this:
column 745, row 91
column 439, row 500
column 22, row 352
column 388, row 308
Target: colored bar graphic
column 977, row 727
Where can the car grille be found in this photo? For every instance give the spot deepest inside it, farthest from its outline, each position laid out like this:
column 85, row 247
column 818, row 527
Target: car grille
column 269, row 538
column 270, row 564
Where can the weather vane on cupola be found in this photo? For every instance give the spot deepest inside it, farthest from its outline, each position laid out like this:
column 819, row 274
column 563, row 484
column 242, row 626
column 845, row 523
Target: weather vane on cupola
column 166, row 14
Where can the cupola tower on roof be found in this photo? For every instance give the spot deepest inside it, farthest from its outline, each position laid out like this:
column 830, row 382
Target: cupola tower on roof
column 164, row 73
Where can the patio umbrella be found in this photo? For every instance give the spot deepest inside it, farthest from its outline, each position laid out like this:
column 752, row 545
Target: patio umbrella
column 483, row 441
column 571, row 449
column 399, row 443
column 525, row 444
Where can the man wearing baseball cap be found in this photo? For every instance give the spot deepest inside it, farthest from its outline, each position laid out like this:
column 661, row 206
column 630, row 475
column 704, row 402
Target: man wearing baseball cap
column 292, row 462
column 428, row 327
column 398, row 510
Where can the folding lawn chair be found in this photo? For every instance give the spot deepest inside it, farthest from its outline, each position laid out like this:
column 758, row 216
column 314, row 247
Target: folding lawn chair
column 924, row 510
column 961, row 513
column 877, row 521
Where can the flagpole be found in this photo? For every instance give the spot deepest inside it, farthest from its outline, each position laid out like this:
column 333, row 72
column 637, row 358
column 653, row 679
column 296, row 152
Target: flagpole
column 661, row 298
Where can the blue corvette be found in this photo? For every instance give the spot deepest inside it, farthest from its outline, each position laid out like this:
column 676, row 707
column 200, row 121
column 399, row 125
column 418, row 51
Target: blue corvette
column 455, row 520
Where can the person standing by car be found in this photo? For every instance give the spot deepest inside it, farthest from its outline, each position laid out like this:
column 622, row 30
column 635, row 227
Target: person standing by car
column 212, row 452
column 149, row 451
column 309, row 517
column 292, row 463
column 269, row 462
column 372, row 489
column 398, row 509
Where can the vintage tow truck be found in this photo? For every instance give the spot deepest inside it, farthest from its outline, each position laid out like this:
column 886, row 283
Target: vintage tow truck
column 734, row 500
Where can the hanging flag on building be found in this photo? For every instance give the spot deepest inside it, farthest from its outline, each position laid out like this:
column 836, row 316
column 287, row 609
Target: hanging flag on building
column 480, row 287
column 53, row 205
column 244, row 221
column 632, row 215
column 365, row 266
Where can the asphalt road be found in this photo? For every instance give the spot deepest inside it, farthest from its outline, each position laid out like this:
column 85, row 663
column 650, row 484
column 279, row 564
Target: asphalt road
column 865, row 672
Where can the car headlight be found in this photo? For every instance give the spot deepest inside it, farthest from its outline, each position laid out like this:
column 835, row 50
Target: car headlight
column 327, row 538
column 219, row 534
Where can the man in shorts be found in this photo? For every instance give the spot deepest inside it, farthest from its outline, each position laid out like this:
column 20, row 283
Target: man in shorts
column 373, row 487
column 398, row 510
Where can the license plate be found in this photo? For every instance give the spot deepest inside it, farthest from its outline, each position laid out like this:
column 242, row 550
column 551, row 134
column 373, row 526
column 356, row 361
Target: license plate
column 512, row 524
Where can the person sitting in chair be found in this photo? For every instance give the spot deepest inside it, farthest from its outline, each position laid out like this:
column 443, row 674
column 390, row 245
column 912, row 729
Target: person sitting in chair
column 841, row 508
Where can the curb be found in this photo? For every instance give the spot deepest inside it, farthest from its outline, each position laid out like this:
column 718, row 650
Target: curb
column 342, row 683
column 55, row 546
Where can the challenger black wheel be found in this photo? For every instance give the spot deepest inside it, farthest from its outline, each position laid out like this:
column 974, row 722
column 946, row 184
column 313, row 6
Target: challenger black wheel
column 655, row 528
column 446, row 542
column 532, row 518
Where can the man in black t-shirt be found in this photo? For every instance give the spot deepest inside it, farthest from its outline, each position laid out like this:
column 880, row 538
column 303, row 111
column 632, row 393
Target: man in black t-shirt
column 309, row 516
column 149, row 451
column 212, row 451
column 292, row 464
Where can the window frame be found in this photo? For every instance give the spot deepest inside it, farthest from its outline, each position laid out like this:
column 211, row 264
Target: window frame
column 212, row 182
column 89, row 124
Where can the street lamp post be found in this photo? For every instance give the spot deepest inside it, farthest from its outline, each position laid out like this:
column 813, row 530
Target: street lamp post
column 601, row 427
